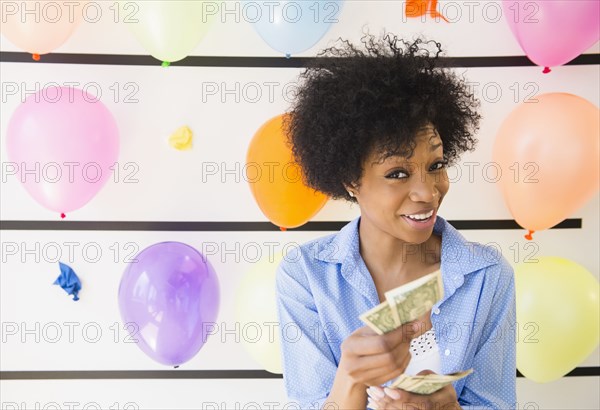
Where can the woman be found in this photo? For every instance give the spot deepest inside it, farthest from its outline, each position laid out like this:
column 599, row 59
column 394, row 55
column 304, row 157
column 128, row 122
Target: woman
column 378, row 127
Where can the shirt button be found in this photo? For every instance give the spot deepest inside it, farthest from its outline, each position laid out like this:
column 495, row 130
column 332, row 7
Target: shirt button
column 447, row 352
column 436, row 311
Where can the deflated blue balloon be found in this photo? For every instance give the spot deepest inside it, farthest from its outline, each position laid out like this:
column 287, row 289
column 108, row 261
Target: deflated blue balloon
column 68, row 280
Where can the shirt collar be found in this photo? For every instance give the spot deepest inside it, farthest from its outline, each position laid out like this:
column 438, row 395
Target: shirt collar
column 459, row 257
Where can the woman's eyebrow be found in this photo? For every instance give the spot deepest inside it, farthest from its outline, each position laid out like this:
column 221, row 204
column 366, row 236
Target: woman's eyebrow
column 434, row 147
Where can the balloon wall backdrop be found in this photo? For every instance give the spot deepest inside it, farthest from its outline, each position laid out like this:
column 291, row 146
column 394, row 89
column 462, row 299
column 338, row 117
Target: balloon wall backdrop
column 71, row 142
column 167, row 296
column 547, row 151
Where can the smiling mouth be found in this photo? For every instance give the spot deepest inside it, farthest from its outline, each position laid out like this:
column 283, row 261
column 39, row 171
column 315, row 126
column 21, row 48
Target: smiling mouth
column 420, row 217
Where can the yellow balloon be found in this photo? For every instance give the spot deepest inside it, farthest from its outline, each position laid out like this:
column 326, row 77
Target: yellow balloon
column 256, row 312
column 169, row 29
column 558, row 316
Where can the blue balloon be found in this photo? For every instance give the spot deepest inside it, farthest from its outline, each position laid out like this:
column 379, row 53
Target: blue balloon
column 68, row 280
column 291, row 27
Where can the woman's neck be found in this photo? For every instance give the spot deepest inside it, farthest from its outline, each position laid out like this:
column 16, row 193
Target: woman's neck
column 392, row 259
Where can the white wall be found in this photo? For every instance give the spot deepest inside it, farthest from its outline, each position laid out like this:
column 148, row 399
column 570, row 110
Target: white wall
column 170, row 188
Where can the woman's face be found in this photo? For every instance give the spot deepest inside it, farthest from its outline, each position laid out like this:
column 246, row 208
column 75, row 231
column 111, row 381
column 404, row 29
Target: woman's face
column 401, row 195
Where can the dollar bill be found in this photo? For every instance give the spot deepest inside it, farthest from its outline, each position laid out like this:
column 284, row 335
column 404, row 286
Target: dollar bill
column 380, row 318
column 405, row 303
column 428, row 383
column 412, row 300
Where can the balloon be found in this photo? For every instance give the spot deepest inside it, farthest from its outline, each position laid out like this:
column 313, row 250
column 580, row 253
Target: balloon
column 166, row 296
column 548, row 155
column 169, row 29
column 40, row 27
column 420, row 8
column 275, row 179
column 553, row 32
column 291, row 27
column 256, row 312
column 64, row 143
column 557, row 315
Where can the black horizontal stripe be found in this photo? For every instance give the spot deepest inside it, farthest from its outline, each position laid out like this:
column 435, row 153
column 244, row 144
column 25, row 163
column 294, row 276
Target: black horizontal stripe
column 180, row 226
column 577, row 372
column 186, row 374
column 137, row 374
column 253, row 61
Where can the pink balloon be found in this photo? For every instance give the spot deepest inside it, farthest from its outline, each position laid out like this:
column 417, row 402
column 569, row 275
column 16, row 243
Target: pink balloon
column 63, row 144
column 553, row 32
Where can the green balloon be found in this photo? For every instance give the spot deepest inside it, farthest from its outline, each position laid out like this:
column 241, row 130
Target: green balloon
column 168, row 29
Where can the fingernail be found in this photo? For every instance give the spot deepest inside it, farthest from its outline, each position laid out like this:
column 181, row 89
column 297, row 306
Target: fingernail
column 376, row 392
column 372, row 405
column 393, row 393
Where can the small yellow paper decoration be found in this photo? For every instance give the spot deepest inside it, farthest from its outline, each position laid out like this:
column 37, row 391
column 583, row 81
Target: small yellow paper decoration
column 181, row 139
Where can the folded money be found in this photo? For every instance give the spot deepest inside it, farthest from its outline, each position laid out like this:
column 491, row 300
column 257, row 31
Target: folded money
column 414, row 299
column 405, row 303
column 380, row 318
column 427, row 383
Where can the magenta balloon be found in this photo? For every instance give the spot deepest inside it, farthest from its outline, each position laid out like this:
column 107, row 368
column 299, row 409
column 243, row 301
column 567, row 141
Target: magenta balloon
column 553, row 32
column 170, row 295
column 64, row 143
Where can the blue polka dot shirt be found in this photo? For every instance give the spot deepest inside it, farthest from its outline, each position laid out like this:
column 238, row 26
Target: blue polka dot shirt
column 324, row 285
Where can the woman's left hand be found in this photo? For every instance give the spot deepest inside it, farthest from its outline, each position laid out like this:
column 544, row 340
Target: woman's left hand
column 398, row 399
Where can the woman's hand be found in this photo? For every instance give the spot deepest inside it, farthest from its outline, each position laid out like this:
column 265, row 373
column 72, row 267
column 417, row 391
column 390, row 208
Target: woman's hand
column 371, row 359
column 396, row 399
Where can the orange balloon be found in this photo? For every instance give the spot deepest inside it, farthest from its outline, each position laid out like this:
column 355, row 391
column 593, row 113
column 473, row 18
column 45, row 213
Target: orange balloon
column 42, row 26
column 275, row 179
column 548, row 155
column 418, row 8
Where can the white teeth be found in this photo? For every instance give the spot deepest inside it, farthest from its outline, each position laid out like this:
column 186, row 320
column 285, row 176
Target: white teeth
column 420, row 216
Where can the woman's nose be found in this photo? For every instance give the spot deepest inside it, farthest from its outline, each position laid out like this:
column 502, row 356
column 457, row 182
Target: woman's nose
column 423, row 189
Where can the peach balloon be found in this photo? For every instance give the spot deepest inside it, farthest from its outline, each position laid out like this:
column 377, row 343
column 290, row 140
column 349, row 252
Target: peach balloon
column 40, row 27
column 548, row 154
column 276, row 180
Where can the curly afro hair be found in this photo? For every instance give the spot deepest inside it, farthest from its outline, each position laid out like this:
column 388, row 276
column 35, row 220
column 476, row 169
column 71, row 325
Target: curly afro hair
column 353, row 102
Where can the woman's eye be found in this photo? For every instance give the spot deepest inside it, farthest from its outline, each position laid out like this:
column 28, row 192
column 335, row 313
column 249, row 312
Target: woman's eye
column 397, row 174
column 439, row 165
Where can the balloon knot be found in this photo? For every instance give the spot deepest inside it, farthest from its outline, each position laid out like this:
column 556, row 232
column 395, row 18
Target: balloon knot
column 62, row 215
column 176, row 366
column 528, row 236
column 287, row 55
column 36, row 57
column 165, row 64
column 546, row 70
column 282, row 228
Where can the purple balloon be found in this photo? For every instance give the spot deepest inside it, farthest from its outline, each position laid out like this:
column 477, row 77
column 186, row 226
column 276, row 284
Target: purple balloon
column 168, row 295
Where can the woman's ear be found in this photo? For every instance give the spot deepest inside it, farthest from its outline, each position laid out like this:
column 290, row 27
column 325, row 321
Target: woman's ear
column 351, row 190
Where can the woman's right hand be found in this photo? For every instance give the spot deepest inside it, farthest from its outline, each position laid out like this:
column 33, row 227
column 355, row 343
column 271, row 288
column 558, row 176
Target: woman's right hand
column 371, row 359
